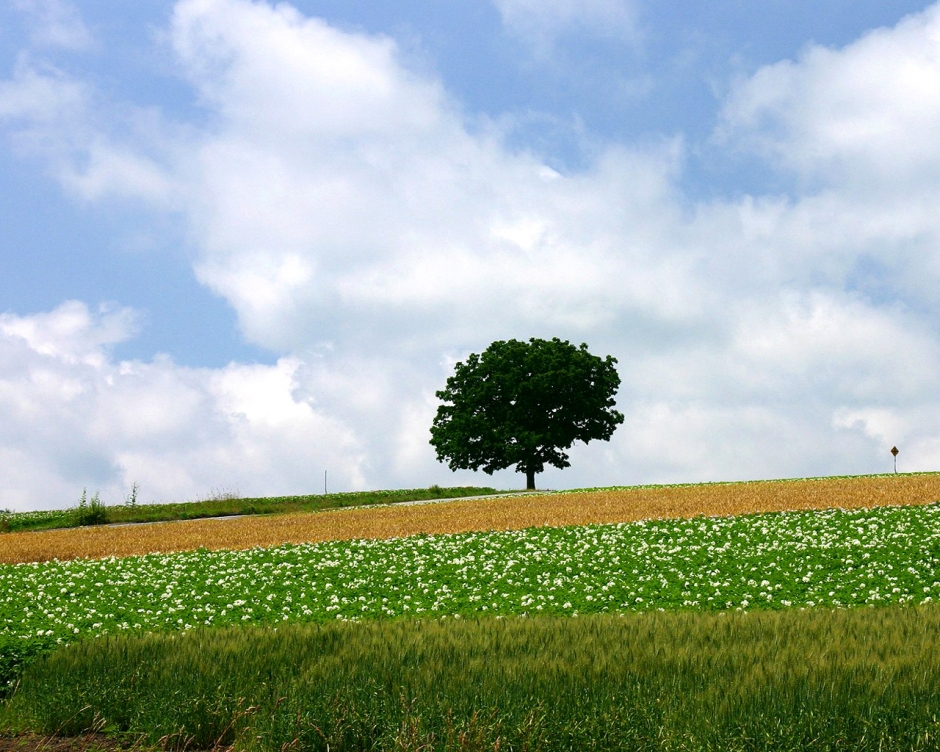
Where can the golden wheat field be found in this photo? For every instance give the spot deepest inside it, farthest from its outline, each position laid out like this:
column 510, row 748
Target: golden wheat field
column 502, row 513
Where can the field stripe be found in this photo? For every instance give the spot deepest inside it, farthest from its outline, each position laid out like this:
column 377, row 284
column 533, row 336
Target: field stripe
column 505, row 513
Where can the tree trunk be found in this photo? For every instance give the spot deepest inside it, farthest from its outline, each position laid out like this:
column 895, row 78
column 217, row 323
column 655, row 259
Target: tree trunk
column 530, row 480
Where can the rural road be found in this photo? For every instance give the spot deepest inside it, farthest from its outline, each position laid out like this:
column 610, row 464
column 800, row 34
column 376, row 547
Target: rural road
column 415, row 502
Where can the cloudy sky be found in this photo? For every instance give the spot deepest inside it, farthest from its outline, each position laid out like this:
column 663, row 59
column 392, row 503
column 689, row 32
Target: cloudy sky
column 242, row 244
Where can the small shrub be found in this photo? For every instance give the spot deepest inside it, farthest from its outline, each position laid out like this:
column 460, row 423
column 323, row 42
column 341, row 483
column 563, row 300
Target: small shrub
column 224, row 494
column 93, row 511
column 131, row 499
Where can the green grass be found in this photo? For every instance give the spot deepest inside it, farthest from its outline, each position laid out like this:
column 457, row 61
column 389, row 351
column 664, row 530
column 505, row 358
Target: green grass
column 862, row 679
column 223, row 505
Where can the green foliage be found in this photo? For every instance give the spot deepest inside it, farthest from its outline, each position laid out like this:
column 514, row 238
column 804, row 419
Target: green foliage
column 92, row 512
column 130, row 501
column 16, row 651
column 828, row 680
column 522, row 404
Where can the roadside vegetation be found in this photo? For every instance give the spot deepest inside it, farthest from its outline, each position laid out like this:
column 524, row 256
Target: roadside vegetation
column 222, row 504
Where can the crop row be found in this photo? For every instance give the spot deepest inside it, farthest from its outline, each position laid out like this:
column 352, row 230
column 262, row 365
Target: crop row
column 835, row 558
column 507, row 513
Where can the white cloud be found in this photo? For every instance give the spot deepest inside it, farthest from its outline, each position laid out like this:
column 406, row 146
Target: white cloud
column 865, row 113
column 792, row 383
column 355, row 186
column 41, row 96
column 70, row 332
column 74, row 418
column 363, row 231
column 56, row 24
column 96, row 149
column 857, row 125
column 275, row 72
column 541, row 22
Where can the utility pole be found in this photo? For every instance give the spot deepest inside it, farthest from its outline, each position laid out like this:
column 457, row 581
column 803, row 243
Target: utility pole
column 324, row 482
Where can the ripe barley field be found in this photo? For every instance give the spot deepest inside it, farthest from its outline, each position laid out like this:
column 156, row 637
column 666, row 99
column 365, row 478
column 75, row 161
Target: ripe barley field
column 501, row 513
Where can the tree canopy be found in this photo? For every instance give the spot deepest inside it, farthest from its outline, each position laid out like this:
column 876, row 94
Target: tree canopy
column 523, row 404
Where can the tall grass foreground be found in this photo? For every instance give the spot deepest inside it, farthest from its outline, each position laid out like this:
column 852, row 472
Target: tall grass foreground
column 862, row 679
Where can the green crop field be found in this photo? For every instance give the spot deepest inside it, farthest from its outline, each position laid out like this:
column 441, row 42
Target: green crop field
column 853, row 680
column 782, row 561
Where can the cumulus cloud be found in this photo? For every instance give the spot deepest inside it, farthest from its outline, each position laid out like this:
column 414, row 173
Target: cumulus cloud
column 71, row 333
column 866, row 113
column 72, row 417
column 362, row 230
column 856, row 126
column 338, row 180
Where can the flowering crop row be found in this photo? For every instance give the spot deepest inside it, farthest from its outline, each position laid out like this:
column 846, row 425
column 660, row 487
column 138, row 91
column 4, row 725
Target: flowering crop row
column 834, row 558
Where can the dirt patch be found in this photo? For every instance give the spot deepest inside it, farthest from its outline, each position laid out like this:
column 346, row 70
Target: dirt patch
column 84, row 743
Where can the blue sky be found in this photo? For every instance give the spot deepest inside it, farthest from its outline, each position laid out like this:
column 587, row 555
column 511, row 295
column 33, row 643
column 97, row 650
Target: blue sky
column 243, row 243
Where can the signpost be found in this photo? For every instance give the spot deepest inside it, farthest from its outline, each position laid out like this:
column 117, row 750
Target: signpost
column 894, row 451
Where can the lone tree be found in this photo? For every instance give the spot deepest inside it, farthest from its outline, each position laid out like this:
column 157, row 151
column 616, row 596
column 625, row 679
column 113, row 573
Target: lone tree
column 523, row 404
